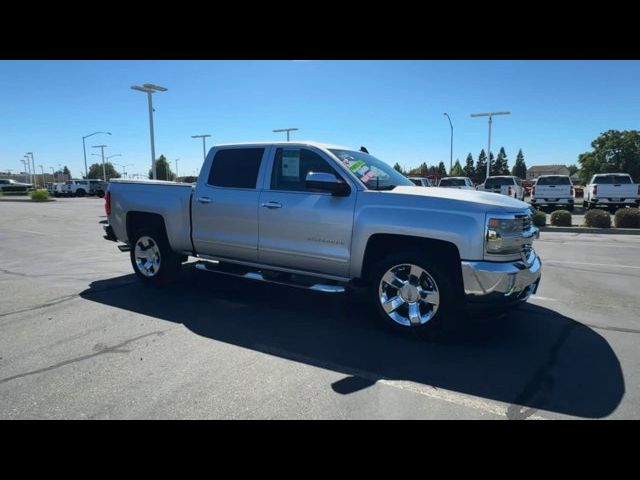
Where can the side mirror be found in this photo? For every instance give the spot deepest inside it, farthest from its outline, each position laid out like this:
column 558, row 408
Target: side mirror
column 327, row 182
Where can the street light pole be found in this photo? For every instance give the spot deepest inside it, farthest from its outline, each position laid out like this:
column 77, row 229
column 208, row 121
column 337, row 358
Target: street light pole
column 84, row 149
column 149, row 89
column 204, row 148
column 104, row 172
column 29, row 168
column 177, row 164
column 451, row 152
column 24, row 166
column 490, row 115
column 33, row 168
column 285, row 130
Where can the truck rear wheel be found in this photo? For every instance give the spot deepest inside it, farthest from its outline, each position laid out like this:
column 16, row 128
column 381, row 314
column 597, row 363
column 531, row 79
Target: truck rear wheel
column 413, row 293
column 152, row 259
column 80, row 192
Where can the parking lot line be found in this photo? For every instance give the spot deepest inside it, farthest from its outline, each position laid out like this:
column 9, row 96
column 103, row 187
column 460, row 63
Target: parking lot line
column 494, row 408
column 591, row 264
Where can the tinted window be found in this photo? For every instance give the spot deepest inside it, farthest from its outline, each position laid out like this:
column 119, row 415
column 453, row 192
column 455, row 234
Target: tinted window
column 291, row 166
column 613, row 179
column 236, row 168
column 497, row 182
column 555, row 180
column 452, row 182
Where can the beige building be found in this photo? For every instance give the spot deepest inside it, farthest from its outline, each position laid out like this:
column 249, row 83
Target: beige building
column 537, row 170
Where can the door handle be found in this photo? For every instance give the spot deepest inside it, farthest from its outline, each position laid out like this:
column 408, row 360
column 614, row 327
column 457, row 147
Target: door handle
column 271, row 205
column 203, row 199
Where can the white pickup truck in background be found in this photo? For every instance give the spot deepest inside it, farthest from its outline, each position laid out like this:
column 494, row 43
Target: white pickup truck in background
column 612, row 190
column 552, row 191
column 505, row 184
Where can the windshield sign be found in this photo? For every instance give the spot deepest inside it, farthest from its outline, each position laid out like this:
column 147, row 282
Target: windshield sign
column 372, row 172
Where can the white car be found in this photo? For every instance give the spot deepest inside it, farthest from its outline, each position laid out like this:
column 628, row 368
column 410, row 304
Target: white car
column 421, row 181
column 462, row 183
column 504, row 184
column 553, row 191
column 612, row 190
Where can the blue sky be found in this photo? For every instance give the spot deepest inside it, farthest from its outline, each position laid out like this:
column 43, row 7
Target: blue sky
column 394, row 108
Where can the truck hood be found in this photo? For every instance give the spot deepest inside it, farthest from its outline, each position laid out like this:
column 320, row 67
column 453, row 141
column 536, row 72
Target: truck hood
column 481, row 200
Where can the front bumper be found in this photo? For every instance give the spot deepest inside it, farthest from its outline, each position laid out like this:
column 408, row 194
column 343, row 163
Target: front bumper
column 501, row 283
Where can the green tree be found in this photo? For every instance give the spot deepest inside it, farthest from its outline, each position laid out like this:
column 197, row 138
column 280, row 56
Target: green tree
column 520, row 167
column 572, row 169
column 613, row 151
column 95, row 171
column 480, row 171
column 457, row 170
column 501, row 165
column 442, row 170
column 469, row 171
column 66, row 172
column 163, row 170
column 398, row 168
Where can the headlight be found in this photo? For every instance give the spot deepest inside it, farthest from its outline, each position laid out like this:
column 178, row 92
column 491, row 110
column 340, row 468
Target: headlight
column 505, row 236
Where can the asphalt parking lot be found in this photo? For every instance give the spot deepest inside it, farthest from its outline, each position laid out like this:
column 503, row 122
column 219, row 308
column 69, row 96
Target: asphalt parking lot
column 82, row 338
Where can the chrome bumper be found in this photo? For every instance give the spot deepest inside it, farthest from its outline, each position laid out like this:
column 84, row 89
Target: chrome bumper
column 493, row 282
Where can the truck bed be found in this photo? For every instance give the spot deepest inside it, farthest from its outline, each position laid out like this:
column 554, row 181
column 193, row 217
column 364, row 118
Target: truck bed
column 171, row 200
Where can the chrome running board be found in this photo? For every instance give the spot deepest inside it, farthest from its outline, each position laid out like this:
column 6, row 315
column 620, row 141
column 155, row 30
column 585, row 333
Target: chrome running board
column 307, row 283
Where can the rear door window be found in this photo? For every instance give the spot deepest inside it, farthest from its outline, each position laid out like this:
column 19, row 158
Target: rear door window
column 236, row 168
column 559, row 180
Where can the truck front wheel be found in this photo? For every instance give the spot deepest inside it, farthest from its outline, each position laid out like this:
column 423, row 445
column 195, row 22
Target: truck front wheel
column 152, row 259
column 413, row 293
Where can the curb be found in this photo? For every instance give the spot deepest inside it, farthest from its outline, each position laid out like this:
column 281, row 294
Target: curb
column 25, row 200
column 608, row 231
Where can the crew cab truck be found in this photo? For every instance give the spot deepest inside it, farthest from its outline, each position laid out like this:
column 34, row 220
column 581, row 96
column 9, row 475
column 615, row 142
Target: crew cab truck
column 553, row 191
column 319, row 216
column 506, row 185
column 611, row 190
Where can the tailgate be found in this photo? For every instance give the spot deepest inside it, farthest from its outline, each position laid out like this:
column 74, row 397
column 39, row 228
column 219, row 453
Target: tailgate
column 553, row 191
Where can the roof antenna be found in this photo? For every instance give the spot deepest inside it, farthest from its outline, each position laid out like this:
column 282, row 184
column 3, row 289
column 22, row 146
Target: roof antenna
column 363, row 149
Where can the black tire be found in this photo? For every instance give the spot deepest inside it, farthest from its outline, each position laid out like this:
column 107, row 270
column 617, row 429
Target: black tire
column 80, row 192
column 169, row 261
column 446, row 316
column 571, row 208
column 100, row 193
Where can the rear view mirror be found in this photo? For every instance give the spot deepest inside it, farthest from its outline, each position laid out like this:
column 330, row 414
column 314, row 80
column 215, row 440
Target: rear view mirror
column 327, row 182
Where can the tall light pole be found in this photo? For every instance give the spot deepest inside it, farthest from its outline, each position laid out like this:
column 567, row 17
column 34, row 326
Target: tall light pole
column 33, row 165
column 451, row 152
column 124, row 167
column 104, row 172
column 177, row 165
column 84, row 149
column 285, row 130
column 204, row 148
column 24, row 166
column 106, row 159
column 149, row 89
column 29, row 171
column 490, row 115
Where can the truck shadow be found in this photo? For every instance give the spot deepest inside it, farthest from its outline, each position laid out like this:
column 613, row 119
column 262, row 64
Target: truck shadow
column 534, row 358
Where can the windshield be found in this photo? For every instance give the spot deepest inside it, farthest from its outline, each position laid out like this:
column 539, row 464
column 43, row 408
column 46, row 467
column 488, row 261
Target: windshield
column 498, row 182
column 372, row 172
column 555, row 180
column 453, row 182
column 613, row 179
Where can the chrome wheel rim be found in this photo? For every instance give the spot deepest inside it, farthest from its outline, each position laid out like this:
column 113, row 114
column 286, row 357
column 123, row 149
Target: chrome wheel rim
column 147, row 256
column 409, row 295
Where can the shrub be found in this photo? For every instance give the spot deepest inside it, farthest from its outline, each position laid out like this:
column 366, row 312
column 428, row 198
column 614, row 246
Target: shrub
column 39, row 195
column 561, row 218
column 627, row 218
column 539, row 219
column 597, row 218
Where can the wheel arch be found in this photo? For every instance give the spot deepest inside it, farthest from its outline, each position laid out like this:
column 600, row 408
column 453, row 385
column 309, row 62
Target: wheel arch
column 379, row 245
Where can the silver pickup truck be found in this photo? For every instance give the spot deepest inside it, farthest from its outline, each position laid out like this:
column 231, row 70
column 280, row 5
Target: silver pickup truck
column 324, row 217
